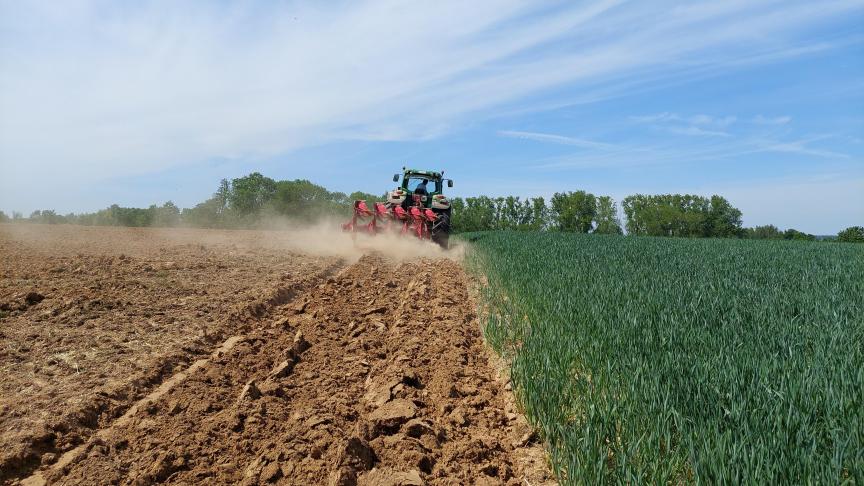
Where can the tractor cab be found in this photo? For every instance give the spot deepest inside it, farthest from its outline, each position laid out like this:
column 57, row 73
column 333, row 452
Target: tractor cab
column 426, row 185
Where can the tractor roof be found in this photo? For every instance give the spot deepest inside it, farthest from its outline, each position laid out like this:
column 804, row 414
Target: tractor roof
column 429, row 173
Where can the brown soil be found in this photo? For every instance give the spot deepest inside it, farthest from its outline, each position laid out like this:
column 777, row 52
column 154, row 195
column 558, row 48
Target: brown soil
column 91, row 319
column 376, row 374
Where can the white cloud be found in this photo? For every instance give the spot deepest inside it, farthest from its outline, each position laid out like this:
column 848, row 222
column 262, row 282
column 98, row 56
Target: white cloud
column 724, row 121
column 766, row 120
column 92, row 90
column 717, row 147
column 557, row 139
column 656, row 118
column 799, row 147
column 673, row 118
column 696, row 131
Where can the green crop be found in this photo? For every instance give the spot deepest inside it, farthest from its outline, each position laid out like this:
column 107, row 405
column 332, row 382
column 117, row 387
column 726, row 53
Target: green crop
column 656, row 360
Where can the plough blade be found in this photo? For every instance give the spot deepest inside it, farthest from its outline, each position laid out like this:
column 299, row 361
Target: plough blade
column 416, row 221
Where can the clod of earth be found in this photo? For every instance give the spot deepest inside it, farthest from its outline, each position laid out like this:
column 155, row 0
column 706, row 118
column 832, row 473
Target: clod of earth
column 418, row 427
column 387, row 418
column 283, row 369
column 249, row 391
column 300, row 344
column 389, row 477
column 374, row 310
column 33, row 298
column 301, row 307
column 378, row 395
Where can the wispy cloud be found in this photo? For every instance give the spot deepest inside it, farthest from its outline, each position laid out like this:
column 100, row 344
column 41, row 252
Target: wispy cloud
column 701, row 119
column 715, row 126
column 799, row 147
column 699, row 132
column 656, row 118
column 767, row 120
column 720, row 146
column 700, row 125
column 724, row 121
column 557, row 139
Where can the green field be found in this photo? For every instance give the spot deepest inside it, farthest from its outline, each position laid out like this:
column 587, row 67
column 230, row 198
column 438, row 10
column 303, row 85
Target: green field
column 683, row 360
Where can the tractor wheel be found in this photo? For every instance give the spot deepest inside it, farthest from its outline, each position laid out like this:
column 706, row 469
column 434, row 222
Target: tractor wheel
column 441, row 231
column 442, row 239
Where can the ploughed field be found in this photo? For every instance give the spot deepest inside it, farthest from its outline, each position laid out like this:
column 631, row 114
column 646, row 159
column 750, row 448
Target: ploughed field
column 224, row 357
column 657, row 360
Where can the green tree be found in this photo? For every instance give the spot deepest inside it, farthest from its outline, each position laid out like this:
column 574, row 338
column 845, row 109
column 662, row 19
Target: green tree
column 509, row 213
column 767, row 232
column 303, row 199
column 356, row 196
column 793, row 234
column 208, row 214
column 539, row 214
column 693, row 216
column 223, row 193
column 249, row 194
column 607, row 222
column 723, row 220
column 3, row 217
column 852, row 234
column 457, row 207
column 49, row 216
column 634, row 206
column 167, row 215
column 665, row 214
column 574, row 211
column 120, row 216
column 483, row 213
column 478, row 214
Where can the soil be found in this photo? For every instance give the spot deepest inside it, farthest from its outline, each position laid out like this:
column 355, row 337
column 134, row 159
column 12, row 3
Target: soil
column 254, row 365
column 92, row 318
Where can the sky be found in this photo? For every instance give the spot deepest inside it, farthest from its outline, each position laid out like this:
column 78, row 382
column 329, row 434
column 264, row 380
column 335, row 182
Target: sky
column 136, row 103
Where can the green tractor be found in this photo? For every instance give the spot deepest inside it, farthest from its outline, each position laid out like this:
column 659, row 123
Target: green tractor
column 417, row 207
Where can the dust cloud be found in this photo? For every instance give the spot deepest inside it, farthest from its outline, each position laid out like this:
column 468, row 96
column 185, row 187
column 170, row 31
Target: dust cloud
column 324, row 238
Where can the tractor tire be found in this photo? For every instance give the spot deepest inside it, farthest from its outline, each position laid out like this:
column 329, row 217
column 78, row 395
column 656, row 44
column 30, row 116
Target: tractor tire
column 441, row 231
column 443, row 240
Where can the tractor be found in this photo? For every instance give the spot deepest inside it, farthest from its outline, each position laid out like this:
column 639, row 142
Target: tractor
column 417, row 207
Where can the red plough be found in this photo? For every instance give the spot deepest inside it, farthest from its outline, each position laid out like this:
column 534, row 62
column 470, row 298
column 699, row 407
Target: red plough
column 417, row 220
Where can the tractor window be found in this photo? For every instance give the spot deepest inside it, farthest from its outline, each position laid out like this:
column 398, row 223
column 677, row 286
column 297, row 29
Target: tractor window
column 432, row 186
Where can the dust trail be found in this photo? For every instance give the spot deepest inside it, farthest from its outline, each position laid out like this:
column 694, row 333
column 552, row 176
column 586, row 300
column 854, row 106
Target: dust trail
column 326, row 238
column 323, row 238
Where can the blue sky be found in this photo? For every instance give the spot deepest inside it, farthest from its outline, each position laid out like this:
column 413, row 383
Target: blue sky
column 141, row 102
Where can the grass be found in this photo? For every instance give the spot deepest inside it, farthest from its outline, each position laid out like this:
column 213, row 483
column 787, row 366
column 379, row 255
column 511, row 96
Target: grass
column 684, row 361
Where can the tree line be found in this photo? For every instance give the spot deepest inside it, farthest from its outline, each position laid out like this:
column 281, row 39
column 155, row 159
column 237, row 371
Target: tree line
column 243, row 202
column 250, row 201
